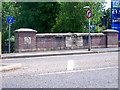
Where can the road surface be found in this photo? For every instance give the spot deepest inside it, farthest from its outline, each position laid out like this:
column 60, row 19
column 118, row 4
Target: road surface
column 68, row 71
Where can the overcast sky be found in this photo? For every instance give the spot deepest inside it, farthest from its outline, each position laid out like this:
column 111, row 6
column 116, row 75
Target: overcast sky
column 108, row 5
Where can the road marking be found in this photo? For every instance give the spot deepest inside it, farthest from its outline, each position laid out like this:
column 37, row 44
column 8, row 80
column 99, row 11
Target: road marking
column 75, row 71
column 25, row 67
column 70, row 65
column 10, row 66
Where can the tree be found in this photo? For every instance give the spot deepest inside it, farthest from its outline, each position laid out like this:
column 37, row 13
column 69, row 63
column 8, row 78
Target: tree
column 8, row 9
column 72, row 18
column 37, row 15
column 106, row 18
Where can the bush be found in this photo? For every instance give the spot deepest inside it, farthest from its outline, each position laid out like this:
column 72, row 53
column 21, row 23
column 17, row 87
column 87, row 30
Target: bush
column 98, row 29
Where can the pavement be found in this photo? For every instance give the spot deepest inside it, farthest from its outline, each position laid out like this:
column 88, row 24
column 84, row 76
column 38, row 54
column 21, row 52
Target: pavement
column 58, row 52
column 6, row 67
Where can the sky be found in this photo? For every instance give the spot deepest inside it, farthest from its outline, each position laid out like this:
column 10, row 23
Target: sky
column 108, row 5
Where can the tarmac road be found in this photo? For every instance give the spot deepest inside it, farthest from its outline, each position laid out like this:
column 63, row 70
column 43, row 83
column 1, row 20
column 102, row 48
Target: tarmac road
column 68, row 71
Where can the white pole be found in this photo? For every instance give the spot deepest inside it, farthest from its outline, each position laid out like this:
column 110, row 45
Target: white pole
column 9, row 37
column 89, row 37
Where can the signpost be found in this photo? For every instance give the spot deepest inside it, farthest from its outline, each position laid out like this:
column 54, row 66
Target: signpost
column 89, row 15
column 115, row 15
column 9, row 19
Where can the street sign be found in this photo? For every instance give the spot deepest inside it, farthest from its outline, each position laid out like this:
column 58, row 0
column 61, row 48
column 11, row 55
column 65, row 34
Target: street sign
column 89, row 13
column 93, row 27
column 10, row 19
column 115, row 16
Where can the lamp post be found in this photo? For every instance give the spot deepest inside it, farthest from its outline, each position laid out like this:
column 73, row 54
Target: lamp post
column 88, row 15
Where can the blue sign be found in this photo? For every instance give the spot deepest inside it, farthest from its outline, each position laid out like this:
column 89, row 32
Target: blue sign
column 116, row 3
column 115, row 15
column 92, row 27
column 10, row 19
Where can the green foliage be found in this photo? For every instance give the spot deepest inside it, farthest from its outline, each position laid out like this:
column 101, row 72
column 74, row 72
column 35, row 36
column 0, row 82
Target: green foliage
column 108, row 15
column 106, row 19
column 38, row 16
column 72, row 16
column 98, row 29
column 35, row 15
column 69, row 19
column 8, row 9
column 103, row 27
column 49, row 16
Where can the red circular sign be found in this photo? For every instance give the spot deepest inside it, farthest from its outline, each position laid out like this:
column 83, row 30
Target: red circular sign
column 89, row 13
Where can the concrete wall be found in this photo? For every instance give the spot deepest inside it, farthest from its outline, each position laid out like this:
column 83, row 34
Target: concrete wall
column 29, row 40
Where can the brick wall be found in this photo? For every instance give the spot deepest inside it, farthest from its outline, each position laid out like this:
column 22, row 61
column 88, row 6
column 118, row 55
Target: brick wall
column 25, row 40
column 98, row 40
column 111, row 38
column 49, row 42
column 28, row 40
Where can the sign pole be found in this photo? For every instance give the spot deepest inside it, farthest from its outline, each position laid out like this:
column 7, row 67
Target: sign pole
column 88, row 15
column 9, row 19
column 9, row 37
column 89, row 37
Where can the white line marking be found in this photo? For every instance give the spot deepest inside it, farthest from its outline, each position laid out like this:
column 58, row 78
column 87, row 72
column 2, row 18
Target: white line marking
column 75, row 71
column 25, row 67
column 70, row 65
